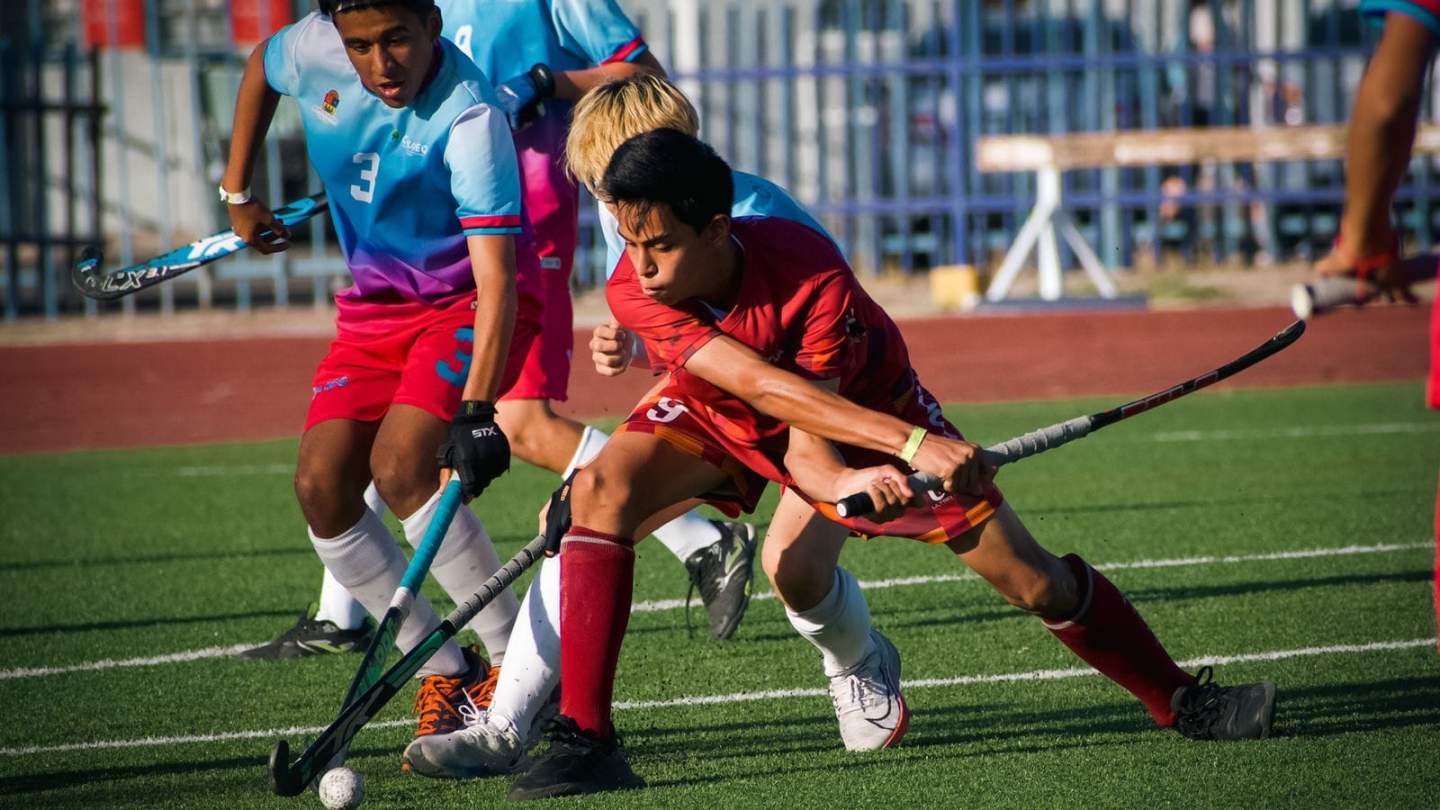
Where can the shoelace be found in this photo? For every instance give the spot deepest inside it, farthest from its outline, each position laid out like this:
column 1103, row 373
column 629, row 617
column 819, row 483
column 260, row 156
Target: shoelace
column 1200, row 705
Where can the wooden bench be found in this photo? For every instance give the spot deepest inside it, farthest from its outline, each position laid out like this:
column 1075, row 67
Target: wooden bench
column 1048, row 156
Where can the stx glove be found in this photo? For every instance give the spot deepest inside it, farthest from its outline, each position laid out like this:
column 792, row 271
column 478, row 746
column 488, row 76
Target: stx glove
column 476, row 449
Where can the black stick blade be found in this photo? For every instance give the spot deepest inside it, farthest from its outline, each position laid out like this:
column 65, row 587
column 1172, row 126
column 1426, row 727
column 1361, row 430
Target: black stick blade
column 282, row 780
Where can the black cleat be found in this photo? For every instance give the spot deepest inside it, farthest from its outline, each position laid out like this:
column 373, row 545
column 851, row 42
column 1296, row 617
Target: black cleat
column 1207, row 711
column 577, row 762
column 722, row 572
column 311, row 637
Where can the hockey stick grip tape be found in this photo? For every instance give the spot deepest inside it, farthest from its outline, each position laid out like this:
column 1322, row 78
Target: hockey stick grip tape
column 499, row 581
column 1007, row 452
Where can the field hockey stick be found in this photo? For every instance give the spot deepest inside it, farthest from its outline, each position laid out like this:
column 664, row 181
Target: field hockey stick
column 291, row 779
column 372, row 666
column 1046, row 438
column 88, row 278
column 1330, row 292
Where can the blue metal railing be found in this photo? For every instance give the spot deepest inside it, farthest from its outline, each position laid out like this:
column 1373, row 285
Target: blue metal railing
column 867, row 110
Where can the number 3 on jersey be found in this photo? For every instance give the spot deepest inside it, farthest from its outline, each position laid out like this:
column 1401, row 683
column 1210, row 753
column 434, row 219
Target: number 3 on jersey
column 366, row 191
column 665, row 410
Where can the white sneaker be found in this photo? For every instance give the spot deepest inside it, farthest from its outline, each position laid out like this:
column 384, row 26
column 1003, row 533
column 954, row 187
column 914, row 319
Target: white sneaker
column 482, row 748
column 868, row 704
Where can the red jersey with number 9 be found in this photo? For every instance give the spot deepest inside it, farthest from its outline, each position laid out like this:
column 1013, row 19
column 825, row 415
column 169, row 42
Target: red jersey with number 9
column 799, row 306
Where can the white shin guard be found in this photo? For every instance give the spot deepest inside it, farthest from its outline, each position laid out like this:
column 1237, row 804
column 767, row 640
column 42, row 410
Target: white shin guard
column 365, row 560
column 466, row 559
column 336, row 605
column 532, row 668
column 839, row 626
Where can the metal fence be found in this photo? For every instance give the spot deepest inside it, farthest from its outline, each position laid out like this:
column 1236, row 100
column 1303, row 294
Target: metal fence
column 866, row 109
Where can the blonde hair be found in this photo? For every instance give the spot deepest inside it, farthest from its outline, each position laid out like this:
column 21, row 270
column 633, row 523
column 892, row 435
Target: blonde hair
column 613, row 113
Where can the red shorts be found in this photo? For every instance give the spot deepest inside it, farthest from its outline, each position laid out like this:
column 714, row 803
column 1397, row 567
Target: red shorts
column 680, row 417
column 406, row 353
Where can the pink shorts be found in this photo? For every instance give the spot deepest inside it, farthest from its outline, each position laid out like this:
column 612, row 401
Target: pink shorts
column 407, row 353
column 552, row 203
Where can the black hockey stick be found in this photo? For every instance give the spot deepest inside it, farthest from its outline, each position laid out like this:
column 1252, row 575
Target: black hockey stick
column 291, row 779
column 1326, row 294
column 372, row 665
column 90, row 280
column 1038, row 441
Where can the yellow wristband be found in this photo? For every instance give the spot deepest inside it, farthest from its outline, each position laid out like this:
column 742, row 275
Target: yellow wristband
column 912, row 445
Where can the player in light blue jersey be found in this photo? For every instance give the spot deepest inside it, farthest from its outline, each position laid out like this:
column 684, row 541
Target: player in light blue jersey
column 423, row 184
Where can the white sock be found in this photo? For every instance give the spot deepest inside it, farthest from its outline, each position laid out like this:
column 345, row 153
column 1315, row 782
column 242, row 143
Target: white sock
column 466, row 559
column 336, row 603
column 365, row 560
column 839, row 626
column 688, row 534
column 684, row 535
column 533, row 670
column 591, row 440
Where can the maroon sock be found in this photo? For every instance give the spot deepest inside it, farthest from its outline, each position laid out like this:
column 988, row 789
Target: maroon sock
column 1110, row 636
column 597, row 574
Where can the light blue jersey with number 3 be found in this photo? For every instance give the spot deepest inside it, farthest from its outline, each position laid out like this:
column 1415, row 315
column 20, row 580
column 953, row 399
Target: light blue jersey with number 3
column 407, row 185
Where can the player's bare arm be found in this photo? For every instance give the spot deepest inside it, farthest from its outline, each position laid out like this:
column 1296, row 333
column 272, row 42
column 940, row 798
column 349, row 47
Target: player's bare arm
column 492, row 259
column 820, row 472
column 572, row 84
column 1377, row 151
column 733, row 367
column 255, row 105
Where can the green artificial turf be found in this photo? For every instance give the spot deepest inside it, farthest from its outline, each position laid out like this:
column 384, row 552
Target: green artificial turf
column 134, row 554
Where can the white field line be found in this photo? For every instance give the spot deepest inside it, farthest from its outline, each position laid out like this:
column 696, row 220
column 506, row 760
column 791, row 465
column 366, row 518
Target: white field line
column 671, row 604
column 740, row 697
column 1179, row 562
column 1306, row 432
column 113, row 663
column 1033, row 675
column 221, row 470
column 1299, row 432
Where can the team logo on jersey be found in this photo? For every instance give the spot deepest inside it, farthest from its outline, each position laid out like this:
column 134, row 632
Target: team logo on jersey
column 413, row 147
column 325, row 110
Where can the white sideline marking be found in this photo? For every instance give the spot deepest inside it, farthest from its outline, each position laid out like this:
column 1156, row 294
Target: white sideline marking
column 671, row 604
column 738, row 697
column 1310, row 432
column 1179, row 562
column 238, row 469
column 112, row 663
column 1033, row 675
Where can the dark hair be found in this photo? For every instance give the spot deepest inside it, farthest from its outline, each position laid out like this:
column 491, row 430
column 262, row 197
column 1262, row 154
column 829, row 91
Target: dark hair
column 667, row 166
column 332, row 7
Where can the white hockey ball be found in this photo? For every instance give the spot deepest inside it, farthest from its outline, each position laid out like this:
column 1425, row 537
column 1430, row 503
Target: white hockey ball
column 341, row 789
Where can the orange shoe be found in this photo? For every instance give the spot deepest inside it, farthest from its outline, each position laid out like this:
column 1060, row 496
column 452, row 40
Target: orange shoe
column 445, row 704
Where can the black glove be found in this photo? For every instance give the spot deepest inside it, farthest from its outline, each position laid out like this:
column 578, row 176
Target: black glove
column 476, row 449
column 522, row 97
column 557, row 517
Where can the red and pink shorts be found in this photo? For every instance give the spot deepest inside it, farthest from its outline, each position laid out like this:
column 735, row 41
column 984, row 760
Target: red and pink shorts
column 678, row 415
column 407, row 353
column 552, row 203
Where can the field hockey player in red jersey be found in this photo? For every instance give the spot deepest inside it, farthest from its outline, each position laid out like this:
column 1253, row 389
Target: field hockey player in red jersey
column 779, row 367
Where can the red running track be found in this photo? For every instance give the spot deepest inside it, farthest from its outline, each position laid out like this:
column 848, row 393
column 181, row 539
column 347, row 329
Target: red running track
column 118, row 395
